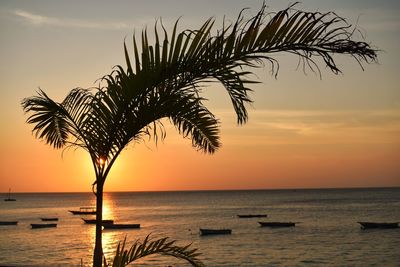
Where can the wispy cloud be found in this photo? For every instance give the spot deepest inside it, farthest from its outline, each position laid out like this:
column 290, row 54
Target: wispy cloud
column 39, row 20
column 310, row 126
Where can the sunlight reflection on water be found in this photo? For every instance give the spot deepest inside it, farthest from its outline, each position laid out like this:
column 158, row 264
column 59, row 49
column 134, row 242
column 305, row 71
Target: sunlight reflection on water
column 110, row 239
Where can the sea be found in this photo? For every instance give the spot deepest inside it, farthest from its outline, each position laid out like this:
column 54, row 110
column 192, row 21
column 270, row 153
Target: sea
column 326, row 233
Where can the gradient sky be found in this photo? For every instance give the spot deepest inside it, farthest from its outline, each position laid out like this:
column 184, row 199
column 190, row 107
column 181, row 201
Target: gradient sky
column 304, row 132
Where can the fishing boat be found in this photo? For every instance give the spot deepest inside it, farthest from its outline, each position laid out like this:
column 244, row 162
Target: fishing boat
column 49, row 219
column 9, row 196
column 277, row 224
column 252, row 215
column 84, row 211
column 43, row 225
column 122, row 226
column 215, row 231
column 379, row 225
column 8, row 222
column 93, row 221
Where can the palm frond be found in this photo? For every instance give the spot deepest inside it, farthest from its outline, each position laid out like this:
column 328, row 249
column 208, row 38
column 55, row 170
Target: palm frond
column 140, row 110
column 51, row 123
column 307, row 34
column 77, row 104
column 163, row 246
column 57, row 123
column 190, row 57
column 195, row 121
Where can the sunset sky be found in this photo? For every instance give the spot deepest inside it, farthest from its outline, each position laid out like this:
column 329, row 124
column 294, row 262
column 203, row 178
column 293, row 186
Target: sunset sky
column 303, row 131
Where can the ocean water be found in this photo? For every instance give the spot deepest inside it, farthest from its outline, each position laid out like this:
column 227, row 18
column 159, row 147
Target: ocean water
column 327, row 235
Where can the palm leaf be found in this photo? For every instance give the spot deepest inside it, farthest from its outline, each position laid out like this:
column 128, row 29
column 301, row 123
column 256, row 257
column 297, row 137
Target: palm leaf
column 145, row 106
column 192, row 57
column 49, row 117
column 148, row 247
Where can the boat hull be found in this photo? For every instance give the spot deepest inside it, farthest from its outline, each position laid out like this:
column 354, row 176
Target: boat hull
column 43, row 225
column 215, row 231
column 93, row 221
column 8, row 222
column 378, row 225
column 277, row 224
column 49, row 219
column 122, row 226
column 79, row 212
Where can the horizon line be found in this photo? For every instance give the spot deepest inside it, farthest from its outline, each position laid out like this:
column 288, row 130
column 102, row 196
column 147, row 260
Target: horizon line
column 213, row 190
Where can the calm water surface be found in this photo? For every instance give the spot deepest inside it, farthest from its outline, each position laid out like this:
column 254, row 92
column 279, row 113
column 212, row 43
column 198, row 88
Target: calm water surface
column 328, row 234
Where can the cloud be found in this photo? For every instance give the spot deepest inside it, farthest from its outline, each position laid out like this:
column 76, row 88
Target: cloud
column 40, row 20
column 313, row 126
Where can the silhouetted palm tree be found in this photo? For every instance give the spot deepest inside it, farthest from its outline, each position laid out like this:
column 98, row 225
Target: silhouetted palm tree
column 164, row 80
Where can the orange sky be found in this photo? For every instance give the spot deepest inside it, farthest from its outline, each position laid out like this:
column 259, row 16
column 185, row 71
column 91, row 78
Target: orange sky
column 303, row 132
column 275, row 150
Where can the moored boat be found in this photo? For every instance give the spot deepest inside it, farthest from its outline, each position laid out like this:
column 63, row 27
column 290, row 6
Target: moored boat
column 379, row 225
column 122, row 226
column 49, row 219
column 93, row 221
column 277, row 224
column 84, row 211
column 9, row 196
column 252, row 215
column 43, row 225
column 8, row 222
column 215, row 231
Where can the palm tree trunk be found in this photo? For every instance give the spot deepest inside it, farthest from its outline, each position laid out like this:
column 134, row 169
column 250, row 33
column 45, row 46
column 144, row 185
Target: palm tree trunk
column 98, row 248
